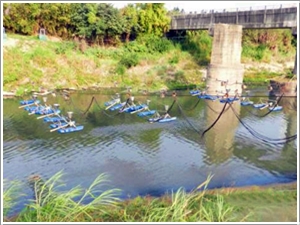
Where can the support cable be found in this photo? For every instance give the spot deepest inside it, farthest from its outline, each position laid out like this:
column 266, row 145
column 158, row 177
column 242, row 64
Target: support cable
column 187, row 120
column 212, row 125
column 262, row 137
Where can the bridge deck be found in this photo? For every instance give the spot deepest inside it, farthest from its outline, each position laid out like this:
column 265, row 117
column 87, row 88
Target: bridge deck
column 267, row 18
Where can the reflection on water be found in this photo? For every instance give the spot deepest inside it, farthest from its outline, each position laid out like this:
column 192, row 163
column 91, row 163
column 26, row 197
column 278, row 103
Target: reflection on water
column 290, row 110
column 143, row 158
column 220, row 138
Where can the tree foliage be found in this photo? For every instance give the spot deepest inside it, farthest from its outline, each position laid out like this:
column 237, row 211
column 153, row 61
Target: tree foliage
column 84, row 21
column 98, row 23
column 21, row 18
column 153, row 18
column 55, row 17
column 131, row 21
column 101, row 23
column 113, row 23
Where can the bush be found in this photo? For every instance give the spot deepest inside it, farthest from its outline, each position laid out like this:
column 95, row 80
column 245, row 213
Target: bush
column 198, row 44
column 129, row 60
column 174, row 59
column 95, row 51
column 11, row 77
column 258, row 53
column 64, row 47
column 120, row 69
column 134, row 46
column 248, row 52
column 260, row 50
column 155, row 44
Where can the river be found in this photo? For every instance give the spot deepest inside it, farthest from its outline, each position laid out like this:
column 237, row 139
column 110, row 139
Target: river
column 144, row 158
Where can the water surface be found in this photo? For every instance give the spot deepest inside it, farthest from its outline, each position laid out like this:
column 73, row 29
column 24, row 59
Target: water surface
column 142, row 158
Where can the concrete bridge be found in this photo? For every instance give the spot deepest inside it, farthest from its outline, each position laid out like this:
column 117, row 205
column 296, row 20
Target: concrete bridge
column 226, row 27
column 284, row 16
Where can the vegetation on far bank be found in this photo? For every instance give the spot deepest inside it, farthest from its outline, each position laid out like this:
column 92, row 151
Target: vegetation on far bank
column 99, row 45
column 148, row 63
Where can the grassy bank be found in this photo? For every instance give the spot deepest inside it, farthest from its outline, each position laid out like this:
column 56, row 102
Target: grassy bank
column 252, row 204
column 145, row 64
column 30, row 63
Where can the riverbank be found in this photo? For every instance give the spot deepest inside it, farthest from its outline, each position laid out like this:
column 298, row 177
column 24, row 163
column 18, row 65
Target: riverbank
column 270, row 203
column 31, row 64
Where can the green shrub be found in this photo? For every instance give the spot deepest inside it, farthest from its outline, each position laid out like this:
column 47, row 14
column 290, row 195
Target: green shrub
column 20, row 91
column 155, row 44
column 120, row 69
column 64, row 47
column 289, row 74
column 260, row 50
column 174, row 59
column 95, row 51
column 134, row 46
column 10, row 78
column 116, row 53
column 198, row 44
column 129, row 60
column 256, row 53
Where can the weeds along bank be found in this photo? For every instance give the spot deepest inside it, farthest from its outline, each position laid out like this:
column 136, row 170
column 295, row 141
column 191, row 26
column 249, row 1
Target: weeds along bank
column 147, row 63
column 49, row 204
column 141, row 57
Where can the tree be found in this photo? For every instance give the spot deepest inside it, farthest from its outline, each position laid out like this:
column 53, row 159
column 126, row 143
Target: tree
column 55, row 18
column 111, row 21
column 21, row 17
column 84, row 20
column 153, row 18
column 131, row 25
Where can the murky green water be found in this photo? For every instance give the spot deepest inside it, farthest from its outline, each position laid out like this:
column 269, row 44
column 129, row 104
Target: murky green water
column 143, row 158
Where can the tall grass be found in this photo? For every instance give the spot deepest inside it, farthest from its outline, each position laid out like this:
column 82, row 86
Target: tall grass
column 9, row 195
column 199, row 205
column 190, row 207
column 50, row 205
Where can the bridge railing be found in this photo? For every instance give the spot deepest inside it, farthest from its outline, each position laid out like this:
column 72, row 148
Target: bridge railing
column 241, row 9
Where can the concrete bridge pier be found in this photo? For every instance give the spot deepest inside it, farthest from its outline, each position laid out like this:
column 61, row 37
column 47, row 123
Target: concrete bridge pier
column 225, row 72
